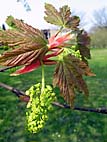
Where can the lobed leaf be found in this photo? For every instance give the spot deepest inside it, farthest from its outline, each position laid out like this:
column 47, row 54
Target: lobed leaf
column 83, row 41
column 26, row 44
column 61, row 79
column 17, row 57
column 73, row 22
column 65, row 13
column 68, row 76
column 52, row 15
column 27, row 68
column 62, row 17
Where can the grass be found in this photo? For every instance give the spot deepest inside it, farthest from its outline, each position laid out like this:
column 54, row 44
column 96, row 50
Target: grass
column 63, row 125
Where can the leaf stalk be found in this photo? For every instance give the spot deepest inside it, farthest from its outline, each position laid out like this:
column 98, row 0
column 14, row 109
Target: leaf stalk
column 43, row 77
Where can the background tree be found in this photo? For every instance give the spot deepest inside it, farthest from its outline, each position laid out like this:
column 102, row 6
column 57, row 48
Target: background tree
column 99, row 30
column 25, row 4
column 99, row 38
column 100, row 18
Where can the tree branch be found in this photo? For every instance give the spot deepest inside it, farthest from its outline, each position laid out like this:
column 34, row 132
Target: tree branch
column 5, row 68
column 23, row 97
column 98, row 110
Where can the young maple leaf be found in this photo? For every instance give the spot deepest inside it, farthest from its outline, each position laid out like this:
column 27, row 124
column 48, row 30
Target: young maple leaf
column 35, row 65
column 68, row 76
column 55, row 41
column 29, row 47
column 26, row 44
column 62, row 17
column 83, row 41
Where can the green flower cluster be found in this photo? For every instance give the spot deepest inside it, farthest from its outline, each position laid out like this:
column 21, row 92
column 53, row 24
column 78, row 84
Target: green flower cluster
column 70, row 50
column 38, row 107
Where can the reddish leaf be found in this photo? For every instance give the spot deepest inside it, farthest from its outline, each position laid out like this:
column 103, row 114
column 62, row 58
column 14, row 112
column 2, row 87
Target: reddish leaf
column 27, row 69
column 35, row 65
column 59, row 41
column 61, row 78
column 69, row 76
column 83, row 41
column 73, row 22
column 17, row 57
column 27, row 43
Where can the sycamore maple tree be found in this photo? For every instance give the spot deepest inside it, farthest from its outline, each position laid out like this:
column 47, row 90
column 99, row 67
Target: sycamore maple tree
column 68, row 50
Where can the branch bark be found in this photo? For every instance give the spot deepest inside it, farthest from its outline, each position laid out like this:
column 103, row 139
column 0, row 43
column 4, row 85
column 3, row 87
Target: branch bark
column 23, row 97
column 98, row 110
column 5, row 68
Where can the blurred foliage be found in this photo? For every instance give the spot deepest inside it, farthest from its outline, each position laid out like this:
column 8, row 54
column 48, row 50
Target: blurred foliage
column 99, row 31
column 100, row 17
column 64, row 125
column 99, row 38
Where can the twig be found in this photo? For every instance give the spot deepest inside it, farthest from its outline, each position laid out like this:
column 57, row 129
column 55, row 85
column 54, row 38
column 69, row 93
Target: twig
column 98, row 110
column 5, row 68
column 22, row 96
column 12, row 89
column 26, row 98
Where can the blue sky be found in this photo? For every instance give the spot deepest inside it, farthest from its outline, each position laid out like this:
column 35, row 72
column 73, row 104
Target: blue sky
column 35, row 16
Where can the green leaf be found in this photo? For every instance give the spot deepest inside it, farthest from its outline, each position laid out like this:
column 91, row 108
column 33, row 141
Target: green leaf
column 10, row 21
column 65, row 13
column 52, row 15
column 69, row 77
column 62, row 17
column 26, row 44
